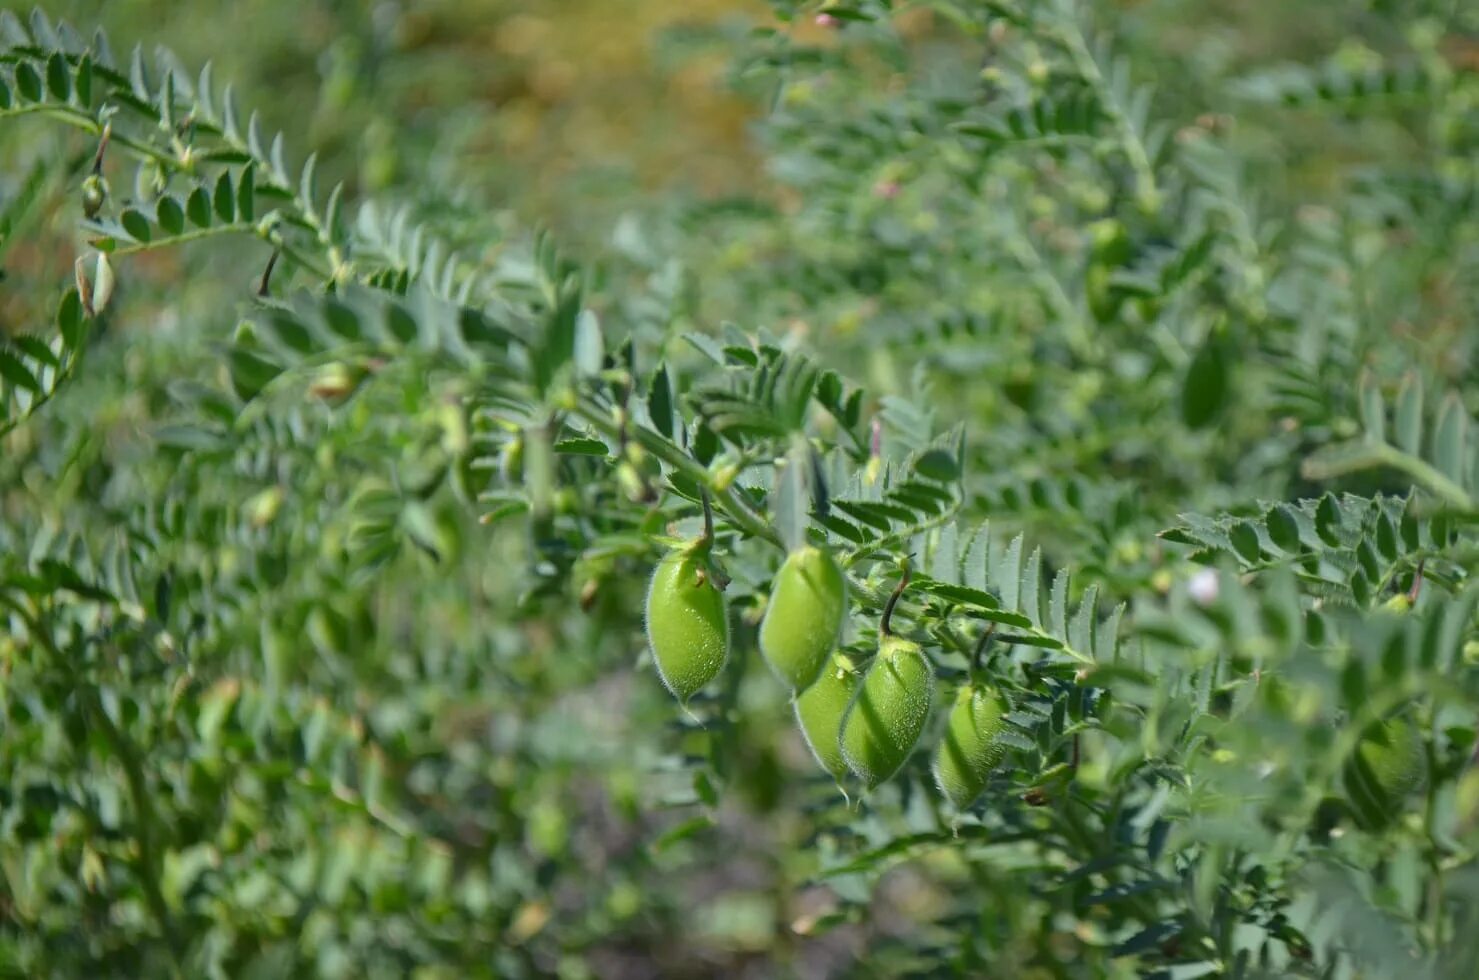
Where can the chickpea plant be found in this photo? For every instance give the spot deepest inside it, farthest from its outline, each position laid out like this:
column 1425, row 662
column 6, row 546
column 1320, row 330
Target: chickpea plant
column 1106, row 531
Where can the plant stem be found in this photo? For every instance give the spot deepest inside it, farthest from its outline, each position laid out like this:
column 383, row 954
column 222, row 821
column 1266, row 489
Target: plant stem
column 885, row 625
column 138, row 787
column 738, row 510
column 1088, row 67
column 1376, row 454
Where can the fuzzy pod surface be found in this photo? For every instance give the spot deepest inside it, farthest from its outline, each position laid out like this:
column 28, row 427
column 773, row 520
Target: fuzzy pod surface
column 820, row 710
column 885, row 720
column 804, row 616
column 1388, row 764
column 972, row 746
column 687, row 623
column 94, row 194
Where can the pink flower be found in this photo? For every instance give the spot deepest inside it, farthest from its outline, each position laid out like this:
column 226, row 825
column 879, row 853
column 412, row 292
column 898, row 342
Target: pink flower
column 886, row 189
column 827, row 20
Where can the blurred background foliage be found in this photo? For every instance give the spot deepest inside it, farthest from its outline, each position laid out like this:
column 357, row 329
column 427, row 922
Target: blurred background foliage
column 374, row 694
column 558, row 112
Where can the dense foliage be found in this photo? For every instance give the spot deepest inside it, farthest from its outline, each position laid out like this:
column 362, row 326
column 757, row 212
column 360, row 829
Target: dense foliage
column 1122, row 358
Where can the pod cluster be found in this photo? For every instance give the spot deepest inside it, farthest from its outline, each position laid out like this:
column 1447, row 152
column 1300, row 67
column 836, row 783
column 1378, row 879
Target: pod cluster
column 858, row 720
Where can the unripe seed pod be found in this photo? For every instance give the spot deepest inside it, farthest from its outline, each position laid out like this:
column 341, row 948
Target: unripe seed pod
column 820, row 710
column 1389, row 763
column 102, row 289
column 333, row 382
column 94, row 193
column 804, row 616
column 886, row 718
column 972, row 745
column 262, row 507
column 511, row 461
column 632, row 484
column 1398, row 604
column 687, row 622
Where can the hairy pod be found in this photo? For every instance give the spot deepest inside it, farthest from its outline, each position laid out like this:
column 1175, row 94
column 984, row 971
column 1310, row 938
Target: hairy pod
column 333, row 382
column 820, row 710
column 94, row 193
column 1388, row 764
column 511, row 461
column 687, row 622
column 804, row 616
column 886, row 718
column 1398, row 604
column 972, row 746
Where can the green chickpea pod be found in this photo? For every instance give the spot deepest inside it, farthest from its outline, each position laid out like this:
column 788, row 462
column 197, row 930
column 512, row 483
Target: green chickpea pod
column 972, row 746
column 687, row 617
column 804, row 616
column 820, row 710
column 884, row 721
column 1388, row 764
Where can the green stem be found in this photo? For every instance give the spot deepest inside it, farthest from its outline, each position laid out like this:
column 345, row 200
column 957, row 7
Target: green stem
column 194, row 234
column 138, row 787
column 980, row 650
column 738, row 510
column 84, row 121
column 885, row 625
column 1381, row 454
column 708, row 537
column 1083, row 60
column 1436, row 911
